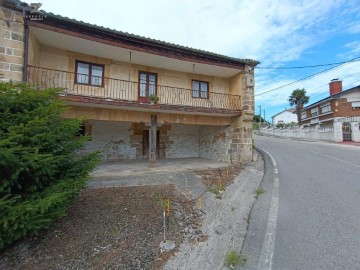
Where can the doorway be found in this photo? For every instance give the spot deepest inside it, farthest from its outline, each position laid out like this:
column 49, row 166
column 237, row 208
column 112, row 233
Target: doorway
column 145, row 143
column 346, row 131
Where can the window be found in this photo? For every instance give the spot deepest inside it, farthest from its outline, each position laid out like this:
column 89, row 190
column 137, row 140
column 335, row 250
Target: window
column 326, row 108
column 200, row 89
column 355, row 105
column 303, row 115
column 91, row 74
column 147, row 84
column 314, row 112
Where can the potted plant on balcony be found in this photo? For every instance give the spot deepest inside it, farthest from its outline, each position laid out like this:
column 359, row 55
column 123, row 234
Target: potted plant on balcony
column 153, row 99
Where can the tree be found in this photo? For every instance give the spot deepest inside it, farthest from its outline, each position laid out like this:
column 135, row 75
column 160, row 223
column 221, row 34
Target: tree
column 40, row 166
column 298, row 98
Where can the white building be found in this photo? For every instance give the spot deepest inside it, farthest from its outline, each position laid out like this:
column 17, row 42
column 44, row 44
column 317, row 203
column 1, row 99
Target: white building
column 284, row 117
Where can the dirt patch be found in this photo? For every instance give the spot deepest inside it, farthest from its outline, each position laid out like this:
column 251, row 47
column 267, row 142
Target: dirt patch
column 109, row 228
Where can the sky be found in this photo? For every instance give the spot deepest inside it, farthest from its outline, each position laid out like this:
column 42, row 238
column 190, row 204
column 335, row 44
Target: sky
column 277, row 33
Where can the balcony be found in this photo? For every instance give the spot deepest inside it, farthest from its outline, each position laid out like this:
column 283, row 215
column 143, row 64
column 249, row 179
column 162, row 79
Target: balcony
column 126, row 93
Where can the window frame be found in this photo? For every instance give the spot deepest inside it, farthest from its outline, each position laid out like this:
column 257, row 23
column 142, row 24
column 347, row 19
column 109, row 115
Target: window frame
column 303, row 115
column 314, row 111
column 77, row 62
column 147, row 90
column 199, row 91
column 326, row 106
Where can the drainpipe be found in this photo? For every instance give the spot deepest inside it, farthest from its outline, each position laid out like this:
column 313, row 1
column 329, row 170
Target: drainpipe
column 26, row 46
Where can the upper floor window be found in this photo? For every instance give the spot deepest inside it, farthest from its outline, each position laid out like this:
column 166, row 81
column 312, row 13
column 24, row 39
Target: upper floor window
column 326, row 108
column 355, row 105
column 303, row 115
column 147, row 84
column 88, row 73
column 200, row 89
column 314, row 112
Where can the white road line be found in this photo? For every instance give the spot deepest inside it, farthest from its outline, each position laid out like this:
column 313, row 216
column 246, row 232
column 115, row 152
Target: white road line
column 267, row 251
column 321, row 154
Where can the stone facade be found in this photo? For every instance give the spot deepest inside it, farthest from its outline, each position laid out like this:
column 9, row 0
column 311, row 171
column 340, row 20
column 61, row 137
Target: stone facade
column 11, row 45
column 241, row 138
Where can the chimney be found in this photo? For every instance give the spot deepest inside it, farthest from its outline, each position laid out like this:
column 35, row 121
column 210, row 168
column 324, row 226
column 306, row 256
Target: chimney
column 335, row 86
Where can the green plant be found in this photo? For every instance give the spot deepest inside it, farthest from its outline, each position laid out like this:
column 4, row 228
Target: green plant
column 259, row 191
column 40, row 168
column 154, row 98
column 233, row 259
column 217, row 192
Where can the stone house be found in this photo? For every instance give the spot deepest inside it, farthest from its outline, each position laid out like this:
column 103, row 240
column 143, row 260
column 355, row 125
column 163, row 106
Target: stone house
column 205, row 100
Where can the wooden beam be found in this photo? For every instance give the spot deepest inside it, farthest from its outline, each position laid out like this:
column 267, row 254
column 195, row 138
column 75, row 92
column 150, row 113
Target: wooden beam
column 152, row 139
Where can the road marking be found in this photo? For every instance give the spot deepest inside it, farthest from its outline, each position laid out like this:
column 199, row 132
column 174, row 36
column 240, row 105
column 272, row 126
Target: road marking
column 267, row 251
column 321, row 154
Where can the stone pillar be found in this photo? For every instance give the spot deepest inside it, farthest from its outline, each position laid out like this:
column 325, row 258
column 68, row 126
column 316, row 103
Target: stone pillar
column 241, row 138
column 338, row 136
column 11, row 45
column 152, row 139
column 355, row 131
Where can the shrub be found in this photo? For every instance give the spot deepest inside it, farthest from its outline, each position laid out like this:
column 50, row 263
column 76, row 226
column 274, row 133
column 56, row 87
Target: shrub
column 40, row 168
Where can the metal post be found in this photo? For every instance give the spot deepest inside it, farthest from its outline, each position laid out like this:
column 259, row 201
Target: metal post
column 260, row 116
column 164, row 214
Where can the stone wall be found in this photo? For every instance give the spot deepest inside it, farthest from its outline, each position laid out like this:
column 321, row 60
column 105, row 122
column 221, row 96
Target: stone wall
column 113, row 138
column 184, row 141
column 214, row 143
column 11, row 45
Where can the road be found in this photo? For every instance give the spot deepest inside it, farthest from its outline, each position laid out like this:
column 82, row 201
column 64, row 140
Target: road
column 317, row 222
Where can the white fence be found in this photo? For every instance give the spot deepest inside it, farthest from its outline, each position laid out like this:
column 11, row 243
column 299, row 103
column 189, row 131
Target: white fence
column 325, row 133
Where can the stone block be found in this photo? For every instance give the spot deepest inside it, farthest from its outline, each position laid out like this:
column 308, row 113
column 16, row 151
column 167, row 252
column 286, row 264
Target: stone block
column 15, row 67
column 5, row 34
column 11, row 59
column 4, row 66
column 17, row 52
column 16, row 36
column 5, row 14
column 3, row 49
column 15, row 44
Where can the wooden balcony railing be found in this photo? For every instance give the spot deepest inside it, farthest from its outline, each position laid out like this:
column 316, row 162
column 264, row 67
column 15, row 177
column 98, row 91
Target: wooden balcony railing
column 128, row 91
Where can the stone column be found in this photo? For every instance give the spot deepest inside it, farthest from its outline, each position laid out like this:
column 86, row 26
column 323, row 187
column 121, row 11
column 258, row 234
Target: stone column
column 241, row 138
column 152, row 139
column 11, row 45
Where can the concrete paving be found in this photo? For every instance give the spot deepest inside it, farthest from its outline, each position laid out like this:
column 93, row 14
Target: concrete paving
column 179, row 171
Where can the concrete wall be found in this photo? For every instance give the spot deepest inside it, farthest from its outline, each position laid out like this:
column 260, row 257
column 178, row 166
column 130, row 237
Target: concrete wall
column 113, row 138
column 11, row 45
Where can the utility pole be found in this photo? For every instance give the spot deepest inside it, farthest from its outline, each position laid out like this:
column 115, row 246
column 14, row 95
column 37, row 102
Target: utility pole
column 260, row 116
column 264, row 115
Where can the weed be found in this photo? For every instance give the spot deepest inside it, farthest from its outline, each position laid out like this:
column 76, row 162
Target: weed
column 217, row 192
column 233, row 259
column 258, row 192
column 249, row 215
column 233, row 208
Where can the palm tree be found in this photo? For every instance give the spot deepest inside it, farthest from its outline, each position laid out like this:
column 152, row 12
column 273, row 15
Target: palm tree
column 298, row 97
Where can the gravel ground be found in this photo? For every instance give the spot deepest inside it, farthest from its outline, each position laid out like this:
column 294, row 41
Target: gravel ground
column 225, row 223
column 122, row 227
column 107, row 228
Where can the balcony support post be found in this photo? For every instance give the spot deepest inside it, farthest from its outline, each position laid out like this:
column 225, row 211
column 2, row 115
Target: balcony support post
column 152, row 139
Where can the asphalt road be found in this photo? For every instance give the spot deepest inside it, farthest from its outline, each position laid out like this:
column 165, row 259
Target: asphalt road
column 318, row 207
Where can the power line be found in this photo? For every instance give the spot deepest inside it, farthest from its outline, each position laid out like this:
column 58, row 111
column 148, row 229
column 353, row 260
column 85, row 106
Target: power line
column 311, row 66
column 307, row 77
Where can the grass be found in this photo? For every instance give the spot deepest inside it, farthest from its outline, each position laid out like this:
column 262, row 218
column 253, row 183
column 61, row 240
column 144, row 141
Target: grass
column 233, row 259
column 217, row 192
column 258, row 192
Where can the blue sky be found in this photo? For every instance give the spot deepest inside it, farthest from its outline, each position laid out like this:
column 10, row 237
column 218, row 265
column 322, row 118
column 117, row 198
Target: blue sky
column 282, row 33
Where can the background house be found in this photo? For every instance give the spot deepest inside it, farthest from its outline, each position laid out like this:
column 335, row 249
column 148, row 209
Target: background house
column 340, row 111
column 334, row 118
column 284, row 117
column 206, row 100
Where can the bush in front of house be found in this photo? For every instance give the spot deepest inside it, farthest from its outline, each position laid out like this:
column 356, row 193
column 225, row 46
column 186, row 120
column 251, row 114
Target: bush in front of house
column 40, row 168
